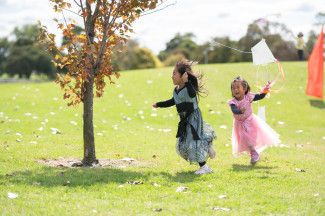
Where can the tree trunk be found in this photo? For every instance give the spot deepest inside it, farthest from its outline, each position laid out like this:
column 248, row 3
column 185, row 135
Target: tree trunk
column 88, row 127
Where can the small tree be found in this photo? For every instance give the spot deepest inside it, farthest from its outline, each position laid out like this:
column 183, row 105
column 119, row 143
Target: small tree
column 87, row 56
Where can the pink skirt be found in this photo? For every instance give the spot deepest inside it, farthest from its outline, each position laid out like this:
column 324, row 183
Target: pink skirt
column 253, row 132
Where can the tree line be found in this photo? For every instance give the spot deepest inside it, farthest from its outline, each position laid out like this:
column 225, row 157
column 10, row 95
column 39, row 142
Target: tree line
column 23, row 55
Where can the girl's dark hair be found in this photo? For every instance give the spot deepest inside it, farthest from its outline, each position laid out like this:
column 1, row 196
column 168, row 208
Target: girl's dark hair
column 195, row 79
column 243, row 82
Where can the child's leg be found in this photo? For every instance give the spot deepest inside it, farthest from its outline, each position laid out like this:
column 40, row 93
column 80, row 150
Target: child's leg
column 203, row 169
column 202, row 163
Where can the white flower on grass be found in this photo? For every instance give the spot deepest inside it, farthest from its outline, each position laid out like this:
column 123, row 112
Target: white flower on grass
column 126, row 118
column 76, row 115
column 55, row 131
column 55, row 98
column 19, row 134
column 284, row 146
column 149, row 82
column 280, row 122
column 166, row 130
column 299, row 131
column 99, row 134
column 323, row 137
column 223, row 126
column 27, row 114
column 35, row 117
column 46, row 120
column 73, row 123
column 278, row 102
column 52, row 113
column 18, row 140
column 12, row 195
column 33, row 142
column 41, row 129
column 222, row 196
column 121, row 95
column 126, row 159
column 140, row 112
column 181, row 189
column 217, row 208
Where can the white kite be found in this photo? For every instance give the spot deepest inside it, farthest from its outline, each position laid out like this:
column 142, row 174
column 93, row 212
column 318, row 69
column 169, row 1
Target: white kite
column 262, row 54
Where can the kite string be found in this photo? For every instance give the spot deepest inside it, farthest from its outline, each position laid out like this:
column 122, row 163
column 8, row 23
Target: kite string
column 215, row 42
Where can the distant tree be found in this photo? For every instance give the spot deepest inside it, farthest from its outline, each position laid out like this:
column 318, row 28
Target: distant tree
column 320, row 18
column 4, row 51
column 132, row 56
column 25, row 56
column 182, row 45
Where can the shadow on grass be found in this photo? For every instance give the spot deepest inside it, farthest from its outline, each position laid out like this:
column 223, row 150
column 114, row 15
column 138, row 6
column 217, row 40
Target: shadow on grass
column 242, row 167
column 74, row 177
column 317, row 103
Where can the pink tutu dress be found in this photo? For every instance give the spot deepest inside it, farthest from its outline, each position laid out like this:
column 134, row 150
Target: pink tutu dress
column 249, row 131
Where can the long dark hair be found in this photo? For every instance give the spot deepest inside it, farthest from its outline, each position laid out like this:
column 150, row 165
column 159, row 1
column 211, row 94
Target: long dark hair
column 243, row 82
column 195, row 79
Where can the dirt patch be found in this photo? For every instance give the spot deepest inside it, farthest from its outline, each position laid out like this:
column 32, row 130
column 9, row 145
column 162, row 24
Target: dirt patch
column 113, row 163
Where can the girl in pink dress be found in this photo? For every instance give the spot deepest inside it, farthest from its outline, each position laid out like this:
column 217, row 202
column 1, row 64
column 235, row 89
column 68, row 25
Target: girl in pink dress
column 250, row 133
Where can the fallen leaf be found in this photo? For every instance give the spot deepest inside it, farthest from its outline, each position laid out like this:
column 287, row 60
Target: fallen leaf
column 300, row 170
column 222, row 196
column 155, row 184
column 220, row 209
column 158, row 209
column 55, row 131
column 135, row 182
column 73, row 123
column 181, row 189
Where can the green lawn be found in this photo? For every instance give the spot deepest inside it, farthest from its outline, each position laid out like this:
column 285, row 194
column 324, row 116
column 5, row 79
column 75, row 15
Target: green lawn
column 272, row 187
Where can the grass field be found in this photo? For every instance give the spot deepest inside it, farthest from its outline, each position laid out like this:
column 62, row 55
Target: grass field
column 127, row 126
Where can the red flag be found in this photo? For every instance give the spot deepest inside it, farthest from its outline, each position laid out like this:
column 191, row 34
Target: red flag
column 316, row 69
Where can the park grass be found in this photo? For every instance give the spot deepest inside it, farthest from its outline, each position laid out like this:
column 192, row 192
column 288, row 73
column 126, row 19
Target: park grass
column 272, row 187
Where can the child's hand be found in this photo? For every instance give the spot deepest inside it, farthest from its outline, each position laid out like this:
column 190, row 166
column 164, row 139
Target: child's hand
column 242, row 109
column 266, row 89
column 185, row 77
column 154, row 105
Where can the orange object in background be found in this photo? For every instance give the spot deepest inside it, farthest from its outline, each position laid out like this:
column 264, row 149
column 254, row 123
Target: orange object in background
column 316, row 69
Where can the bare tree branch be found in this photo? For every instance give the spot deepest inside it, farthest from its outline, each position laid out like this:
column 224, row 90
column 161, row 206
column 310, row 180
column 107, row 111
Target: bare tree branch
column 72, row 12
column 77, row 3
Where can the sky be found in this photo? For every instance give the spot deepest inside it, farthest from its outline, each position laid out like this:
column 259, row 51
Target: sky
column 205, row 18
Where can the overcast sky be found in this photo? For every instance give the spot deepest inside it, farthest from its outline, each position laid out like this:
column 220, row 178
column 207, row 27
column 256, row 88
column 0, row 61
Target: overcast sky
column 204, row 18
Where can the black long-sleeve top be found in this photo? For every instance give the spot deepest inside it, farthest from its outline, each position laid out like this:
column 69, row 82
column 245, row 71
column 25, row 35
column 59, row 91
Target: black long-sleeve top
column 171, row 102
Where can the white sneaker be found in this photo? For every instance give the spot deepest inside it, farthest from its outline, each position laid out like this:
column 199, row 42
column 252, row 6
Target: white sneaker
column 211, row 152
column 203, row 170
